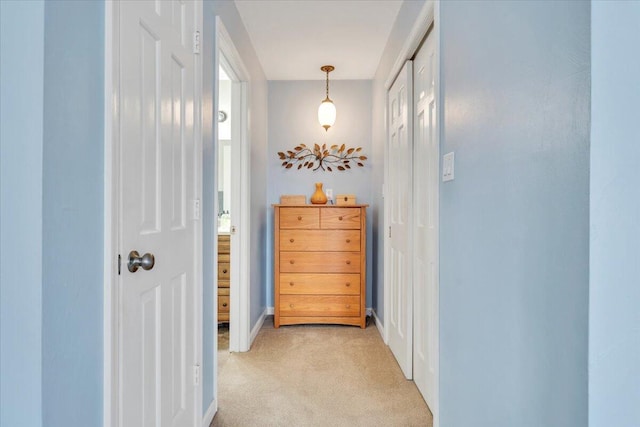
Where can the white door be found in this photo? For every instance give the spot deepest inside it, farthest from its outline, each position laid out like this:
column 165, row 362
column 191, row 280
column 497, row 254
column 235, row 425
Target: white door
column 400, row 296
column 157, row 189
column 425, row 223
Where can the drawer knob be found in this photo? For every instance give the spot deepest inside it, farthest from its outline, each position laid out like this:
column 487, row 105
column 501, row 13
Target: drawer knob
column 340, row 218
column 292, row 262
column 348, row 306
column 290, row 283
column 299, row 218
column 348, row 284
column 348, row 262
column 291, row 240
column 348, row 240
column 291, row 305
column 224, row 304
column 224, row 271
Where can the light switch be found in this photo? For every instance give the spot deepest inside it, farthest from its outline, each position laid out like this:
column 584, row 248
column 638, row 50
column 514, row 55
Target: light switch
column 448, row 161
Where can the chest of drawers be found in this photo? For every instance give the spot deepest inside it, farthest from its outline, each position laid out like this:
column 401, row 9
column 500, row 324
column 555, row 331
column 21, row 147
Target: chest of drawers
column 224, row 276
column 320, row 256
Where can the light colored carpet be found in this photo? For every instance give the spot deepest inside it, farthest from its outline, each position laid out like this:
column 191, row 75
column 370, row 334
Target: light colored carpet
column 317, row 376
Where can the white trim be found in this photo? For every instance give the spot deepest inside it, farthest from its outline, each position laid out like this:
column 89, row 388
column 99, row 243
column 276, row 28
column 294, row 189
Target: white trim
column 379, row 326
column 239, row 321
column 111, row 362
column 207, row 419
column 256, row 329
column 411, row 44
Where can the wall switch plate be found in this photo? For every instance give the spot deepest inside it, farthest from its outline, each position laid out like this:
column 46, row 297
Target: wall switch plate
column 329, row 193
column 448, row 161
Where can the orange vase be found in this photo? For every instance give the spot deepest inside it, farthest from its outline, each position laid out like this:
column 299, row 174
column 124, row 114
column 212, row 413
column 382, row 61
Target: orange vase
column 319, row 198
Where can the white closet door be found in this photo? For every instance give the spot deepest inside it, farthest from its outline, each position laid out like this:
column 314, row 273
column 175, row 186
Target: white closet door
column 426, row 155
column 400, row 297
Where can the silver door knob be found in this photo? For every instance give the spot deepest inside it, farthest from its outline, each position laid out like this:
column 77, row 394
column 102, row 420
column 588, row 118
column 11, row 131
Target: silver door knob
column 146, row 261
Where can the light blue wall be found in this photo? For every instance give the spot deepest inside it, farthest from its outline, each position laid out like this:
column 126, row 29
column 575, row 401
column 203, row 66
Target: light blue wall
column 21, row 62
column 614, row 312
column 514, row 244
column 405, row 20
column 257, row 92
column 293, row 119
column 73, row 180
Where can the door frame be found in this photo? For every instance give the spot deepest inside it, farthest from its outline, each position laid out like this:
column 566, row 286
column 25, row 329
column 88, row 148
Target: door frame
column 227, row 54
column 429, row 15
column 111, row 227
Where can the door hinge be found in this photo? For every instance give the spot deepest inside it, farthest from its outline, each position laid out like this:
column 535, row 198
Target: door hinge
column 196, row 42
column 119, row 263
column 196, row 209
column 389, row 231
column 196, row 375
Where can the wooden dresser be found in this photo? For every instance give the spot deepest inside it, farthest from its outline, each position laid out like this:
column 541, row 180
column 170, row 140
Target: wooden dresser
column 224, row 275
column 320, row 255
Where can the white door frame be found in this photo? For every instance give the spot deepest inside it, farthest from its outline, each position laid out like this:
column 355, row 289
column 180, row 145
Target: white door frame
column 111, row 303
column 239, row 323
column 429, row 15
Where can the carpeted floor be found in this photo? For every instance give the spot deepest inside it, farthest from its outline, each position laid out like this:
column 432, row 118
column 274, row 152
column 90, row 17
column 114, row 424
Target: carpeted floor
column 317, row 376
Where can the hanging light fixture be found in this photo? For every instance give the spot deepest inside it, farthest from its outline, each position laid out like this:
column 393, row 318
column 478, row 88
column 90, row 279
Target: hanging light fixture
column 327, row 111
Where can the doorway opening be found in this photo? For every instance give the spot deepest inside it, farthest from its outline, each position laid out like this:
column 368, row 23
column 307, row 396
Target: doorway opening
column 231, row 202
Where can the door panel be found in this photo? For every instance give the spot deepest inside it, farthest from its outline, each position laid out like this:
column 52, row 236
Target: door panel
column 425, row 226
column 157, row 164
column 399, row 154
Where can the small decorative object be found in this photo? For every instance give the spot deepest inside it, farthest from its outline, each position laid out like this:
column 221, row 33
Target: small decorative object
column 345, row 199
column 319, row 198
column 293, row 199
column 327, row 109
column 338, row 157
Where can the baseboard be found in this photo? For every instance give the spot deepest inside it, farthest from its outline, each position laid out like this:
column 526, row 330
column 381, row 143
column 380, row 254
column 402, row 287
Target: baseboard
column 270, row 311
column 258, row 325
column 211, row 412
column 379, row 325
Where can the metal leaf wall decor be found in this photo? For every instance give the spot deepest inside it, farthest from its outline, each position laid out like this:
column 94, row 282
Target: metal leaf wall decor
column 337, row 157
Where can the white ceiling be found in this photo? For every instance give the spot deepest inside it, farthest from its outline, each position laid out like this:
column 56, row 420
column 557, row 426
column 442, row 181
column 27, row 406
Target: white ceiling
column 294, row 38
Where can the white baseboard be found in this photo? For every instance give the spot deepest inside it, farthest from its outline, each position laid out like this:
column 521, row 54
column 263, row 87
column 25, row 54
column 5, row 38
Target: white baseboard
column 270, row 311
column 258, row 325
column 211, row 412
column 379, row 325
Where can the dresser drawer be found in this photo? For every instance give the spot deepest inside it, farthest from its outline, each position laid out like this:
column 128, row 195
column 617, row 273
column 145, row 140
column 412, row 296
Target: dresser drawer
column 224, row 271
column 340, row 218
column 319, row 305
column 224, row 244
column 319, row 284
column 320, row 262
column 320, row 240
column 224, row 258
column 301, row 218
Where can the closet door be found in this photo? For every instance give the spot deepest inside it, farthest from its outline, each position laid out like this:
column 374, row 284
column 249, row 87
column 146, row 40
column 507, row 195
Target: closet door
column 399, row 296
column 426, row 155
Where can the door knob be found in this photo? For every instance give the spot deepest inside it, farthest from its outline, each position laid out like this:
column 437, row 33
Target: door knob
column 146, row 261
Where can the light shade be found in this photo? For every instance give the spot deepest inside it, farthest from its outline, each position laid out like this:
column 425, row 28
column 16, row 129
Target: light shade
column 327, row 114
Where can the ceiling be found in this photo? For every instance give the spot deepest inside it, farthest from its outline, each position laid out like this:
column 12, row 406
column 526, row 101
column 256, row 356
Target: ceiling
column 294, row 38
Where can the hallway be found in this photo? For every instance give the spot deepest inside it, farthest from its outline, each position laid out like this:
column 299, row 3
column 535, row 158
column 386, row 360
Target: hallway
column 317, row 375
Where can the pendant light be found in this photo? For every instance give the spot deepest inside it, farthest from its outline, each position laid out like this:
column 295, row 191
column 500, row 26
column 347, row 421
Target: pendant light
column 327, row 111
